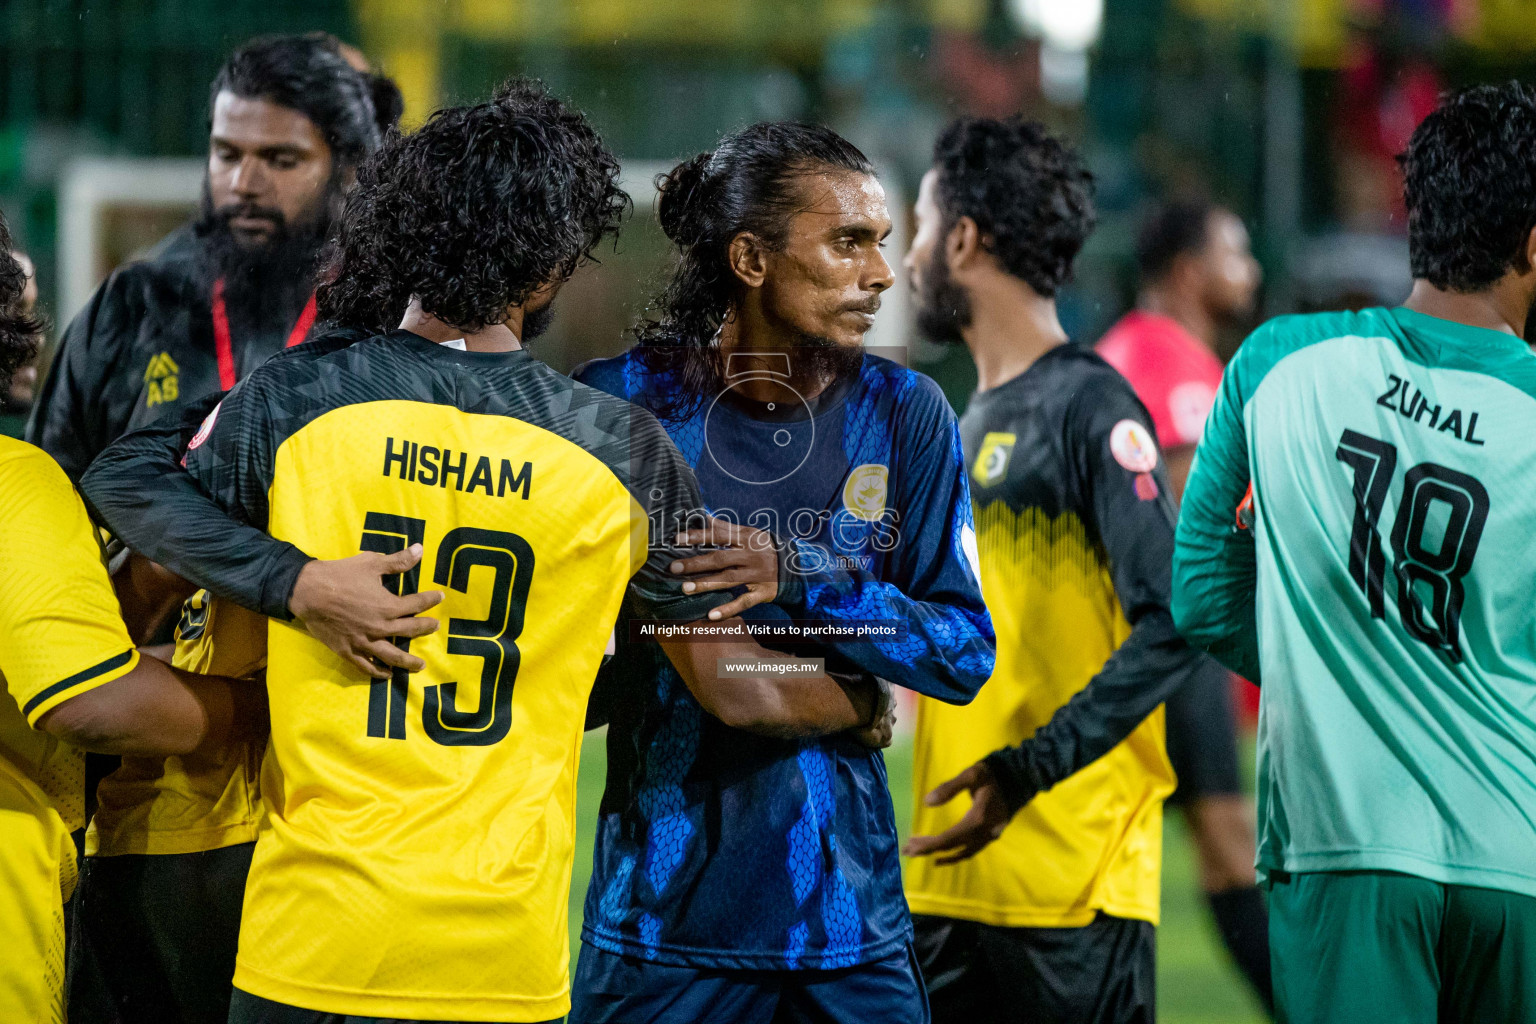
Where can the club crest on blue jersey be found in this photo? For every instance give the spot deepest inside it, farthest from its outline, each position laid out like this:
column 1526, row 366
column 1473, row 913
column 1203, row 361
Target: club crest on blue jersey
column 864, row 493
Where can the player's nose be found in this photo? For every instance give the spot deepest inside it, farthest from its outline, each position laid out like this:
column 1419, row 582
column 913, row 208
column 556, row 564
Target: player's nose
column 880, row 276
column 249, row 179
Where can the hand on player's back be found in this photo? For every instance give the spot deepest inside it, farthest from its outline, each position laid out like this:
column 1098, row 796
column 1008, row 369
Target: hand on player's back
column 343, row 603
column 983, row 823
column 743, row 556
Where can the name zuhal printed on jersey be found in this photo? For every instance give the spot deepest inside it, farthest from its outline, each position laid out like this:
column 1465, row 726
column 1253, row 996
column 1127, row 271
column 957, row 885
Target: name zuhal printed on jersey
column 1396, row 398
column 434, row 467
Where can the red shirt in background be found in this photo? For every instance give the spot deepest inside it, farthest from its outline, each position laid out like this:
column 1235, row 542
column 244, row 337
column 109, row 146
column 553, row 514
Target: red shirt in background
column 1176, row 378
column 1173, row 374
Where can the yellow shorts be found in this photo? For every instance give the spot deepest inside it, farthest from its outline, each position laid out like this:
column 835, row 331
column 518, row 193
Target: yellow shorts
column 37, row 872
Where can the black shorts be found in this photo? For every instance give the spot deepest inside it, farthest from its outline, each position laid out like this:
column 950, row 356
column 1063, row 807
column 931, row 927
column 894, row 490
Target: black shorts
column 248, row 1009
column 154, row 937
column 1102, row 973
column 1202, row 735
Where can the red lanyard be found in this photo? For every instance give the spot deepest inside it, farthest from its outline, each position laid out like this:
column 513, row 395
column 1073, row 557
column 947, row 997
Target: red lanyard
column 225, row 347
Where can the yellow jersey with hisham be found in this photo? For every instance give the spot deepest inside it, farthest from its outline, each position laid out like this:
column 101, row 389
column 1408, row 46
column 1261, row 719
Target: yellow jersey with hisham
column 415, row 857
column 61, row 634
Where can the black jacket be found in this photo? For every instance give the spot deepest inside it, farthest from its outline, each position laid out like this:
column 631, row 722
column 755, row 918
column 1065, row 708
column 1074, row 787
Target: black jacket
column 142, row 348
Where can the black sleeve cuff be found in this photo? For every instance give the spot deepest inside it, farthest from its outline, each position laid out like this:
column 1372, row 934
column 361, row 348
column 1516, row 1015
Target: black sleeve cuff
column 1017, row 779
column 277, row 585
column 791, row 595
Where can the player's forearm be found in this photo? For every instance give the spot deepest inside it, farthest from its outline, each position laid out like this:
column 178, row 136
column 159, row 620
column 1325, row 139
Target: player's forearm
column 158, row 711
column 1215, row 577
column 138, row 488
column 770, row 698
column 1143, row 672
column 806, row 706
column 943, row 649
column 1215, row 565
column 149, row 595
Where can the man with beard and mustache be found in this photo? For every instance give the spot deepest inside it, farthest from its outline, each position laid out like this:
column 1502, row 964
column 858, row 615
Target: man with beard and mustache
column 1041, row 898
column 739, row 877
column 170, row 840
column 1197, row 276
column 290, row 122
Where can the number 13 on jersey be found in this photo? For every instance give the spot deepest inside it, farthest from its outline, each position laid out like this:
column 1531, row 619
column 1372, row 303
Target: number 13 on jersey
column 492, row 639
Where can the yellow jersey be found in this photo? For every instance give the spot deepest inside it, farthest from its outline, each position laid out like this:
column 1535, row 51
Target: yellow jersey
column 415, row 855
column 196, row 802
column 1074, row 531
column 61, row 634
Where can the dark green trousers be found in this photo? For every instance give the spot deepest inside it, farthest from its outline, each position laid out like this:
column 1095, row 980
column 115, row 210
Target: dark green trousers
column 1369, row 946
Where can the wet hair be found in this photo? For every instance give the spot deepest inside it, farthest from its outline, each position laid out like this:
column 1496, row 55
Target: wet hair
column 748, row 183
column 20, row 331
column 307, row 74
column 1469, row 181
column 1028, row 192
column 1171, row 230
column 472, row 212
column 388, row 103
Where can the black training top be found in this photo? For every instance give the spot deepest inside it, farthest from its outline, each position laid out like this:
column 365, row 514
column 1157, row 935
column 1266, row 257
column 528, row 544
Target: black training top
column 1075, row 527
column 144, row 346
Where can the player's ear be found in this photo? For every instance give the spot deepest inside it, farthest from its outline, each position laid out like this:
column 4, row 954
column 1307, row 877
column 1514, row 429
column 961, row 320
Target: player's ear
column 1187, row 270
column 544, row 293
column 748, row 259
column 963, row 245
column 1530, row 250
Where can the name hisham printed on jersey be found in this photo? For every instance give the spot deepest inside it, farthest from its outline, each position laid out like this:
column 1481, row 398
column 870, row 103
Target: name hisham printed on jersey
column 433, row 467
column 1396, row 398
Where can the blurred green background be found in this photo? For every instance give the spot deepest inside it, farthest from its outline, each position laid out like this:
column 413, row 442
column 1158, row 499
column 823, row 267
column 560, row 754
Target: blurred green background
column 1289, row 111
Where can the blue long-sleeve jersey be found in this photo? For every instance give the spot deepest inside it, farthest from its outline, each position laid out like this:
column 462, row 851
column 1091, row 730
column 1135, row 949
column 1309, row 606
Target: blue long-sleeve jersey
column 719, row 848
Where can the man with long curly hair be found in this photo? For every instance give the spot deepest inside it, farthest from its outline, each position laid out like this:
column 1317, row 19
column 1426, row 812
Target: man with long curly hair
column 72, row 682
column 415, row 859
column 746, row 878
column 1040, row 899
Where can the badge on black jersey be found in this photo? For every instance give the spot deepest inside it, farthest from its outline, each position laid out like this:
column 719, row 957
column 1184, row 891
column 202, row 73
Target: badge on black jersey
column 991, row 464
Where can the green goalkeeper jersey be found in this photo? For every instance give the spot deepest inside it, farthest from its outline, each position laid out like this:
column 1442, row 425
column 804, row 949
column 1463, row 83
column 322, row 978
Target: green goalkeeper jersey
column 1381, row 591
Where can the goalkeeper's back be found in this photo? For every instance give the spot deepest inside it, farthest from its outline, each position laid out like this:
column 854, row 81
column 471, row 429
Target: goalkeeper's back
column 1393, row 466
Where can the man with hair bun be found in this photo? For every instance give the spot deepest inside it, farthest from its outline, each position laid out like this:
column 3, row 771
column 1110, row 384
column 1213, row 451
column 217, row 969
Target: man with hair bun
column 414, row 861
column 1039, row 901
column 1356, row 537
column 743, row 879
column 170, row 840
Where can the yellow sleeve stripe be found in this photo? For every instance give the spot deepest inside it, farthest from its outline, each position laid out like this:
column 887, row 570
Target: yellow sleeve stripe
column 95, row 676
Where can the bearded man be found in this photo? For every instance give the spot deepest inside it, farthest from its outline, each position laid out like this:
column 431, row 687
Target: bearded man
column 290, row 120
